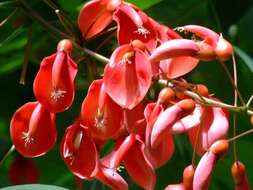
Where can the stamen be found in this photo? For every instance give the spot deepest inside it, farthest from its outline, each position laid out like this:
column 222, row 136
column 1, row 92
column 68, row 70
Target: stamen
column 27, row 138
column 126, row 58
column 100, row 121
column 56, row 94
column 142, row 31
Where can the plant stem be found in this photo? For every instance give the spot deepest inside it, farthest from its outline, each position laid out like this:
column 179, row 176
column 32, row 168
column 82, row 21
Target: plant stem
column 240, row 135
column 232, row 82
column 208, row 101
column 6, row 155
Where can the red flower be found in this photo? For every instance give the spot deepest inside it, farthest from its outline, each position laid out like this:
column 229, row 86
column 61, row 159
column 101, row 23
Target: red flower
column 79, row 152
column 100, row 113
column 95, row 16
column 33, row 130
column 222, row 49
column 127, row 77
column 134, row 25
column 54, row 84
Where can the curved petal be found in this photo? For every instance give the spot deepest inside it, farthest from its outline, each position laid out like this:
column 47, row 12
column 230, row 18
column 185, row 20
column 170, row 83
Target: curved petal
column 188, row 122
column 100, row 113
column 175, row 187
column 114, row 159
column 36, row 139
column 179, row 66
column 54, row 83
column 134, row 24
column 174, row 48
column 167, row 119
column 111, row 178
column 138, row 167
column 127, row 77
column 135, row 120
column 95, row 16
column 164, row 151
column 214, row 126
column 75, row 146
column 206, row 34
column 204, row 171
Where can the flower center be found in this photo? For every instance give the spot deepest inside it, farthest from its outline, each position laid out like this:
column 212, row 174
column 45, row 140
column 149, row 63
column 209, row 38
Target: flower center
column 69, row 155
column 142, row 31
column 126, row 58
column 56, row 94
column 27, row 138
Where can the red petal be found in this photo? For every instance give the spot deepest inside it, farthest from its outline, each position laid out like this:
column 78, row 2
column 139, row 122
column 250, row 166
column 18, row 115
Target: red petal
column 47, row 84
column 135, row 120
column 138, row 167
column 95, row 16
column 178, row 66
column 106, row 125
column 127, row 82
column 114, row 159
column 163, row 152
column 111, row 178
column 134, row 24
column 43, row 136
column 79, row 151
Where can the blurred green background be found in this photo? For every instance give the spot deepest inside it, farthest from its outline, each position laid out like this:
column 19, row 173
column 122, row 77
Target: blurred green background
column 24, row 40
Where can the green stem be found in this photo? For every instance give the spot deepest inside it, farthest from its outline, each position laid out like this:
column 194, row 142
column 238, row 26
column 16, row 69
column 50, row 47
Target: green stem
column 6, row 155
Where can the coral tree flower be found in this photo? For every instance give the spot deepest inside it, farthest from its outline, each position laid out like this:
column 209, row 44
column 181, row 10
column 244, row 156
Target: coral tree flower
column 54, row 84
column 207, row 163
column 128, row 75
column 100, row 113
column 134, row 25
column 175, row 57
column 79, row 152
column 95, row 16
column 164, row 150
column 131, row 151
column 222, row 49
column 213, row 125
column 33, row 130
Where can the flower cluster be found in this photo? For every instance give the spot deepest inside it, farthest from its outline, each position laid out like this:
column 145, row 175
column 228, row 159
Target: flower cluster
column 117, row 108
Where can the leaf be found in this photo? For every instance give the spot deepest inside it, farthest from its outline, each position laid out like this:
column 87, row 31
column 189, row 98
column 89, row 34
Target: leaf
column 144, row 4
column 33, row 187
column 70, row 5
column 245, row 57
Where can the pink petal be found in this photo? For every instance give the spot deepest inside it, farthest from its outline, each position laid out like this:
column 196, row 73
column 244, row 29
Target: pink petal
column 174, row 48
column 206, row 34
column 214, row 127
column 175, row 187
column 188, row 122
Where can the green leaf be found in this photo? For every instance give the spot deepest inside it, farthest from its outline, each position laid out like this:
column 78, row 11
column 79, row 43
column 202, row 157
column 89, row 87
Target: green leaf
column 33, row 187
column 70, row 5
column 245, row 57
column 144, row 4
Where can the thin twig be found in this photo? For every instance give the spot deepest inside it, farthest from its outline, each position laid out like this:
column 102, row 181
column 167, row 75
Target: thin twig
column 240, row 135
column 249, row 101
column 232, row 82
